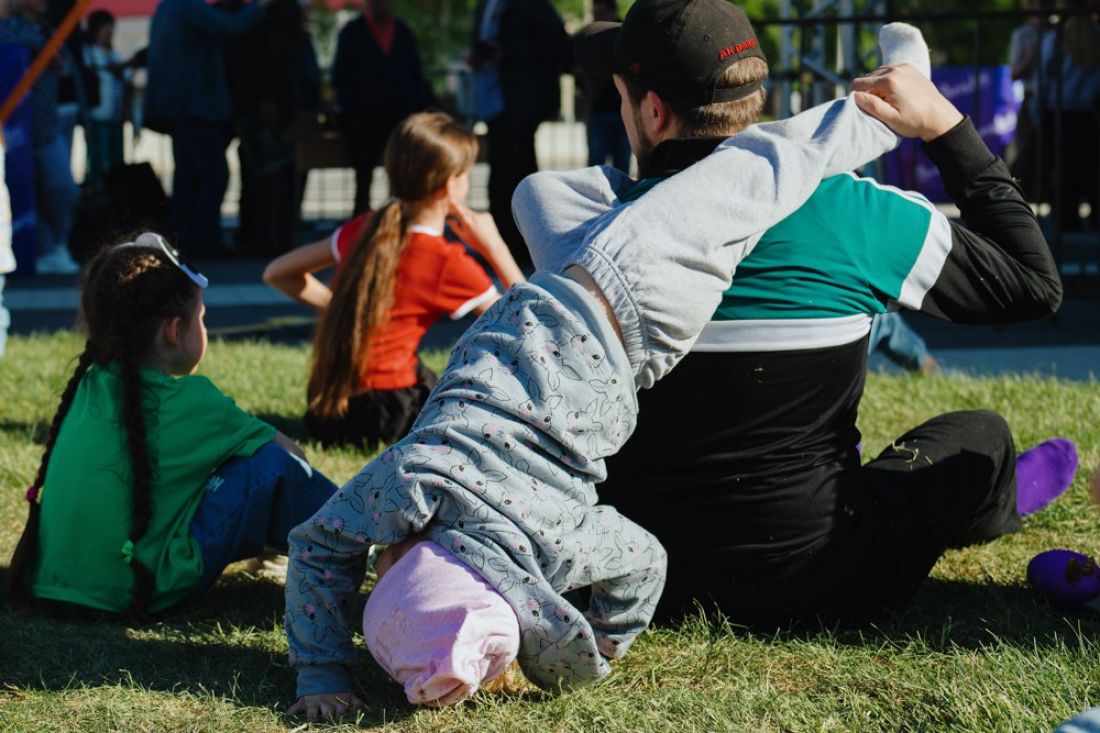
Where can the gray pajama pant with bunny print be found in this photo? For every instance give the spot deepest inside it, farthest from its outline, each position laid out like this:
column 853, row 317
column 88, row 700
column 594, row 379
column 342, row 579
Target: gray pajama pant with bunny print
column 500, row 469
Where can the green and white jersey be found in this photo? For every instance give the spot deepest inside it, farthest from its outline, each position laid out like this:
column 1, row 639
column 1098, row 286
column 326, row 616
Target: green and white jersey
column 815, row 280
column 743, row 458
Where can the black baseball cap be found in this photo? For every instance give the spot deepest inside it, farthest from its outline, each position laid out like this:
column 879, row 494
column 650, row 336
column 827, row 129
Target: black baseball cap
column 677, row 48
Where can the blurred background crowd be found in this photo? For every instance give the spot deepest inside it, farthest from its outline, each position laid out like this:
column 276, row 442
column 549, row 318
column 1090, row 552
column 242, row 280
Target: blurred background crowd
column 240, row 127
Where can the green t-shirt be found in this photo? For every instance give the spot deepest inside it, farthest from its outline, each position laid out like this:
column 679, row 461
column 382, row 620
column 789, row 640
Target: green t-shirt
column 192, row 428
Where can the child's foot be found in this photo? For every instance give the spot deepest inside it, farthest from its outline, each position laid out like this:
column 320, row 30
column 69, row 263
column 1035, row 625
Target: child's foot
column 1043, row 473
column 271, row 566
column 902, row 43
column 1064, row 577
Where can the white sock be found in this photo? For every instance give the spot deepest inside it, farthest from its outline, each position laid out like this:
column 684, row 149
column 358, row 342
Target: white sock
column 902, row 43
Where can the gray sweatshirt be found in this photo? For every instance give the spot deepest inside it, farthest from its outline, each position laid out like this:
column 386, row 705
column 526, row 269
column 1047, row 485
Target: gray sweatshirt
column 664, row 260
column 501, row 466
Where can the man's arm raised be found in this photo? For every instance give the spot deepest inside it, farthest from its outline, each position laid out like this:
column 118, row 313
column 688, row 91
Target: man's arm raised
column 996, row 269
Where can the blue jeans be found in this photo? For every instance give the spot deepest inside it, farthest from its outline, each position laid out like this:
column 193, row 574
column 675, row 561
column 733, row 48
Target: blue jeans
column 607, row 137
column 57, row 195
column 68, row 115
column 252, row 503
column 897, row 341
column 1086, row 722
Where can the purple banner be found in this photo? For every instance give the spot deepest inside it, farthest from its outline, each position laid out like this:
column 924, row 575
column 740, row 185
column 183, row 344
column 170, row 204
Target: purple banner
column 19, row 159
column 995, row 117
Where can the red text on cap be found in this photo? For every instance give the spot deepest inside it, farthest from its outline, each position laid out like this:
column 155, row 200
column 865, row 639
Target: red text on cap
column 725, row 53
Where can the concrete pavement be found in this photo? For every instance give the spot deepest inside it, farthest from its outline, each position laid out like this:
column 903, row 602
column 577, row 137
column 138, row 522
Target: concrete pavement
column 239, row 305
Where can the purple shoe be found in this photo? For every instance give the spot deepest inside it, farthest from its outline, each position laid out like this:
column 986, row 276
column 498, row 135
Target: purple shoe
column 1043, row 473
column 1064, row 577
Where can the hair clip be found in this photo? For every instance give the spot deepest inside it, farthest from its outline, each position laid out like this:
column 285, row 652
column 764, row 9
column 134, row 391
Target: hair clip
column 154, row 240
column 32, row 494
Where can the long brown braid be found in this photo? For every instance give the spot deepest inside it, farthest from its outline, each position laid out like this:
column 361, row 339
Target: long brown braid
column 128, row 293
column 422, row 153
column 27, row 548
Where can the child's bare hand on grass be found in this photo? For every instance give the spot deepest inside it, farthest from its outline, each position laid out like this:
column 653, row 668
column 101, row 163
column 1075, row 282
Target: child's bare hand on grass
column 326, row 707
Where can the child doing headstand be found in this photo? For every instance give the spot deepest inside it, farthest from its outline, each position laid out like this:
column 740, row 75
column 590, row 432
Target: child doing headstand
column 396, row 276
column 499, row 470
column 498, row 473
column 152, row 480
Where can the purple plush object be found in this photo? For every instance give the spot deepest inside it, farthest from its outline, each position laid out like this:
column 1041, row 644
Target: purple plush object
column 1064, row 576
column 1043, row 473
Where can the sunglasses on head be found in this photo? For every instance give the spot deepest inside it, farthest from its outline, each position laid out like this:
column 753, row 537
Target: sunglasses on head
column 151, row 239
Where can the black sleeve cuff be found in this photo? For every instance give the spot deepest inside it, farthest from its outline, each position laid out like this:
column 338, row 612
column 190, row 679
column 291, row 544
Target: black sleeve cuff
column 960, row 154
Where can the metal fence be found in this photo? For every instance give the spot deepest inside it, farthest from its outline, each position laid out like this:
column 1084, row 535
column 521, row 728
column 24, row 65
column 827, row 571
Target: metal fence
column 824, row 45
column 827, row 43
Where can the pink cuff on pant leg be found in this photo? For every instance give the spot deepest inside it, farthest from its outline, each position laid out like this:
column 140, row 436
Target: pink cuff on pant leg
column 438, row 628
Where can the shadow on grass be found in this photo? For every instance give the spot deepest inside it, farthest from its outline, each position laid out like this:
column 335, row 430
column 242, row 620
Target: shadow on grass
column 231, row 645
column 292, row 427
column 945, row 615
column 948, row 614
column 292, row 330
column 38, row 430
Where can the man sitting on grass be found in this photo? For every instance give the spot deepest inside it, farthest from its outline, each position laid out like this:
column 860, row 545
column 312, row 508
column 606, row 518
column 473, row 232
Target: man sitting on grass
column 745, row 461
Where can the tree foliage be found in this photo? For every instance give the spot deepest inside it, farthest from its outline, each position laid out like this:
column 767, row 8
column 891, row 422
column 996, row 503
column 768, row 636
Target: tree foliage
column 443, row 27
column 953, row 42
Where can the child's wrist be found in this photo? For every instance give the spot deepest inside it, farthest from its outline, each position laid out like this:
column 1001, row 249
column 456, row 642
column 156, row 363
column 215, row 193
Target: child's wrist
column 322, row 679
column 496, row 249
column 494, row 245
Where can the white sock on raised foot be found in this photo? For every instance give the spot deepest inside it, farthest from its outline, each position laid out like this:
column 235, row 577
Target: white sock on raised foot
column 901, row 43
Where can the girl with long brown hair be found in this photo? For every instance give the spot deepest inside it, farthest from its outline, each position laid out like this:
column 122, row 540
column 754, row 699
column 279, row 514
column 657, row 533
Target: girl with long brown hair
column 152, row 480
column 396, row 275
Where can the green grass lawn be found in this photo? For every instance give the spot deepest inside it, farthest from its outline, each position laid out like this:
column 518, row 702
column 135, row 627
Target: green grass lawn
column 977, row 650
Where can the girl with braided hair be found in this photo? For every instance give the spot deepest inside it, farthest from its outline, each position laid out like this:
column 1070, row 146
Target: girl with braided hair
column 152, row 480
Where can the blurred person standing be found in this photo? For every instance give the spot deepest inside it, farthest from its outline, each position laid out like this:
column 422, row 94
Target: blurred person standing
column 519, row 51
column 897, row 341
column 135, row 107
column 55, row 188
column 78, row 89
column 104, row 131
column 1077, row 71
column 7, row 256
column 379, row 81
column 1023, row 46
column 187, row 97
column 603, row 125
column 270, row 80
column 1023, row 62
